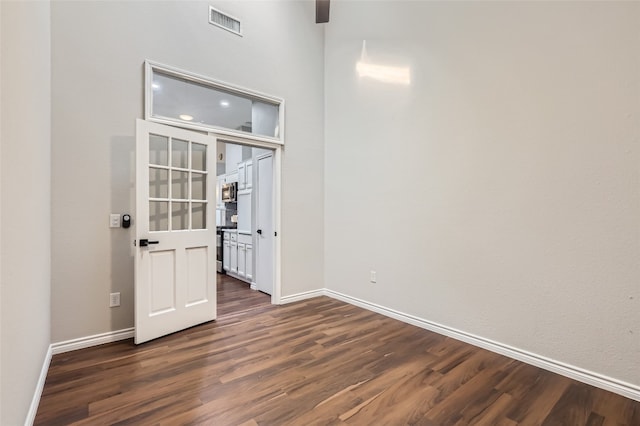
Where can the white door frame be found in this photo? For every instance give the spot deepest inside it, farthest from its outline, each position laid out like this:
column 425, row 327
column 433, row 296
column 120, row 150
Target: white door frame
column 277, row 203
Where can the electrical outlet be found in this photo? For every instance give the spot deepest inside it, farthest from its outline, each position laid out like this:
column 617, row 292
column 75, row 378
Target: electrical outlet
column 373, row 276
column 114, row 220
column 114, row 300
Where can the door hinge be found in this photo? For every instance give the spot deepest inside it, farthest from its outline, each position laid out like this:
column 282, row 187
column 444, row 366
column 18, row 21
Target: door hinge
column 275, row 233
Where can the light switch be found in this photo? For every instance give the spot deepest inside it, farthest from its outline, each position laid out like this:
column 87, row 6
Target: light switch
column 114, row 221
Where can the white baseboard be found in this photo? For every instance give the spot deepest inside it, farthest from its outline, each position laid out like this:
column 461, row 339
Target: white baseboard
column 35, row 401
column 67, row 346
column 619, row 387
column 302, row 296
column 89, row 341
column 627, row 390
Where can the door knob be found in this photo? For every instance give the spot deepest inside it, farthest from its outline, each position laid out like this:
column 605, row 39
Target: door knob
column 259, row 231
column 145, row 242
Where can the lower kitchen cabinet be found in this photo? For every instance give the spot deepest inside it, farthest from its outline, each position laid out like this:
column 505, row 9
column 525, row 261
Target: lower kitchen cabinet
column 249, row 262
column 226, row 252
column 237, row 255
column 245, row 261
column 233, row 262
column 242, row 257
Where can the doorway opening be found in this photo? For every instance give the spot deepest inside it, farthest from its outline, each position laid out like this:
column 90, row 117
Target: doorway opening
column 245, row 228
column 176, row 190
column 250, row 124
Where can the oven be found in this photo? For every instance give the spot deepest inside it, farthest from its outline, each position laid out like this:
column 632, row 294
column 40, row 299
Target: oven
column 219, row 251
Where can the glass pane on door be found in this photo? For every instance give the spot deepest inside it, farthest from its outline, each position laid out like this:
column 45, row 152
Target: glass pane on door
column 158, row 216
column 180, row 153
column 159, row 150
column 179, row 185
column 179, row 216
column 198, row 157
column 158, row 183
column 198, row 186
column 198, row 215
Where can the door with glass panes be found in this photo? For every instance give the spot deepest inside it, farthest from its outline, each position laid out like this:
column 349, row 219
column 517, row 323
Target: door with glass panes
column 175, row 283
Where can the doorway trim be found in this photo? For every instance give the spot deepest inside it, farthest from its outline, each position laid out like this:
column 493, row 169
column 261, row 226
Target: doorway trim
column 277, row 203
column 233, row 136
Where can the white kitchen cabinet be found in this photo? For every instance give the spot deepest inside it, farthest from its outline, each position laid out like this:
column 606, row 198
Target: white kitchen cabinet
column 245, row 175
column 245, row 261
column 242, row 257
column 233, row 261
column 249, row 175
column 231, row 177
column 242, row 176
column 249, row 262
column 238, row 254
column 244, row 211
column 226, row 255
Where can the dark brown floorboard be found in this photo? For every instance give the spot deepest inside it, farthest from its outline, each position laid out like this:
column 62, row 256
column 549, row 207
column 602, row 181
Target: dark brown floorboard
column 314, row 362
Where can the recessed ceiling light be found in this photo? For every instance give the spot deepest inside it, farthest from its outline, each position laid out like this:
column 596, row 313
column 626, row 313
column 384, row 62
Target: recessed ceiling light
column 185, row 117
column 224, row 103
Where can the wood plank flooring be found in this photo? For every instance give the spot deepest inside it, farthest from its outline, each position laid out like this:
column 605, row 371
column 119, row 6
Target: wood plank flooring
column 314, row 362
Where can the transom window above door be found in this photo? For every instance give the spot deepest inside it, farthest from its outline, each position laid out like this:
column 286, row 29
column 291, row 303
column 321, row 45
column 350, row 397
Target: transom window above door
column 191, row 101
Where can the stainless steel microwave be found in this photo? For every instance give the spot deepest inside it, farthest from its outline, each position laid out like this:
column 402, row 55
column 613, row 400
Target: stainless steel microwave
column 229, row 192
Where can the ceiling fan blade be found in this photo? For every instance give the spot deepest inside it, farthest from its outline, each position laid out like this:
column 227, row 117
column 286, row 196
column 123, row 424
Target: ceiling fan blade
column 322, row 11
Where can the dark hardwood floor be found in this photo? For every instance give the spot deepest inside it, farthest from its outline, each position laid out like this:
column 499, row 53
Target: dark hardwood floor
column 314, row 362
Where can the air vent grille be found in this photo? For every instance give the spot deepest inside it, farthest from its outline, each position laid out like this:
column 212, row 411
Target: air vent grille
column 225, row 21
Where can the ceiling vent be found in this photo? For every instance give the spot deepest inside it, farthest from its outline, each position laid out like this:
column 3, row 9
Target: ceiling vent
column 222, row 20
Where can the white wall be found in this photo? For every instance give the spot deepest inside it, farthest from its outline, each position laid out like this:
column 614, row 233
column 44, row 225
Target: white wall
column 498, row 193
column 25, row 96
column 98, row 52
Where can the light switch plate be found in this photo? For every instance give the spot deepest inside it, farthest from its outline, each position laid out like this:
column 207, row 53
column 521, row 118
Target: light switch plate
column 114, row 221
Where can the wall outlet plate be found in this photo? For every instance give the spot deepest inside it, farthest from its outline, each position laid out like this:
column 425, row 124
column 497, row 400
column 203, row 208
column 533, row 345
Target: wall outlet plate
column 114, row 300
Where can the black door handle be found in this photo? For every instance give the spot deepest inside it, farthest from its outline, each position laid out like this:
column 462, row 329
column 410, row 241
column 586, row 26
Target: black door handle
column 259, row 231
column 144, row 242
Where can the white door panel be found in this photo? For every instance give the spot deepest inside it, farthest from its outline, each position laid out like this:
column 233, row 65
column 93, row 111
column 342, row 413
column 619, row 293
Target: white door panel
column 161, row 270
column 264, row 211
column 197, row 279
column 175, row 286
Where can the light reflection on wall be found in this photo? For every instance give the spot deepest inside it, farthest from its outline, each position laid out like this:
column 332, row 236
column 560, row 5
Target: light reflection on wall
column 382, row 73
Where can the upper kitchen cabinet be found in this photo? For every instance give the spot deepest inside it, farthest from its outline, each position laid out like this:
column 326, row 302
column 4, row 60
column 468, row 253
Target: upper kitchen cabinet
column 233, row 155
column 231, row 177
column 244, row 212
column 245, row 175
column 249, row 175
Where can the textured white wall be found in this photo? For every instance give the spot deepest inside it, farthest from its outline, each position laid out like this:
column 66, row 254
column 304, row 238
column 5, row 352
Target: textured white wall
column 98, row 52
column 498, row 193
column 25, row 96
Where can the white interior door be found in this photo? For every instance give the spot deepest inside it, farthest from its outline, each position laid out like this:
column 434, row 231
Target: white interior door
column 175, row 283
column 264, row 223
